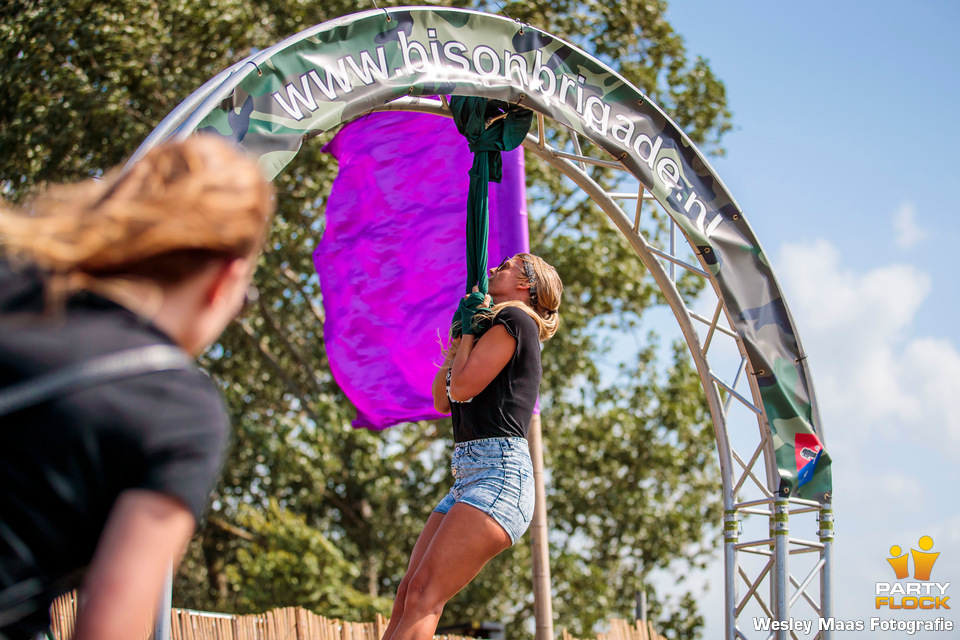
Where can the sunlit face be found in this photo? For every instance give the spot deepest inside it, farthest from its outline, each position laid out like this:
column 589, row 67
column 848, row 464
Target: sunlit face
column 506, row 279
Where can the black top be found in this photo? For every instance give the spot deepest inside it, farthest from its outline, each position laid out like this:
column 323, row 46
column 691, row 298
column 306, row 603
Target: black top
column 64, row 462
column 504, row 408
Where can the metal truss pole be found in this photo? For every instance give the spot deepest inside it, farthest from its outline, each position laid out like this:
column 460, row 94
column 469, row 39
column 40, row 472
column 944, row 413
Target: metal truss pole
column 780, row 532
column 731, row 534
column 826, row 573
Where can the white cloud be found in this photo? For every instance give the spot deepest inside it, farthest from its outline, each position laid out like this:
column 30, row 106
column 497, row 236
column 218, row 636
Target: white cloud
column 872, row 376
column 905, row 225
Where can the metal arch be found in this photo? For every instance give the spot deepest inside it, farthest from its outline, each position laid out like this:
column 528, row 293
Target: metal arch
column 777, row 547
column 745, row 495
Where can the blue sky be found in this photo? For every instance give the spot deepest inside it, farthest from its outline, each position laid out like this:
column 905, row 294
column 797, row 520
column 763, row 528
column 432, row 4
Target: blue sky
column 843, row 157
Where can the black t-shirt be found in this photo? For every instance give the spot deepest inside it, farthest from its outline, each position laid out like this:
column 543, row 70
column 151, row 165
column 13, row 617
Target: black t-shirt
column 504, row 408
column 64, row 462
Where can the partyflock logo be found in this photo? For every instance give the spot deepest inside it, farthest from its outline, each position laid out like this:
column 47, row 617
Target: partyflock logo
column 919, row 593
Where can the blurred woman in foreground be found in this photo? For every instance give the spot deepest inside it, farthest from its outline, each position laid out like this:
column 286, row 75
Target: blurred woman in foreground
column 104, row 483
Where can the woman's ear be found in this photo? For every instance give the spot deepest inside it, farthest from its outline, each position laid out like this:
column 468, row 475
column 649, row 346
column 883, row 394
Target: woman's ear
column 228, row 276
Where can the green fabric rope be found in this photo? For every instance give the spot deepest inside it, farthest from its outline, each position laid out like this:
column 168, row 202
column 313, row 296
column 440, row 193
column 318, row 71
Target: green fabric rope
column 507, row 131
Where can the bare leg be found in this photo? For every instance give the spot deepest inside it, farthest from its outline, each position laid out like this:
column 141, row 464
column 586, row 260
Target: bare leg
column 419, row 549
column 464, row 542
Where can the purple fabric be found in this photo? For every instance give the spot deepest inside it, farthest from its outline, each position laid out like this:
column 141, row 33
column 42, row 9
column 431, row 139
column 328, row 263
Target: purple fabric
column 392, row 258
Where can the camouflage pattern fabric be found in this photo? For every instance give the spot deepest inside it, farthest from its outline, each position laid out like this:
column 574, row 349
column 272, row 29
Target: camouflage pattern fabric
column 341, row 69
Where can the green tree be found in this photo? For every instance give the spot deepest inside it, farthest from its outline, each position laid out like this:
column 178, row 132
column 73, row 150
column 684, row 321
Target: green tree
column 286, row 550
column 632, row 473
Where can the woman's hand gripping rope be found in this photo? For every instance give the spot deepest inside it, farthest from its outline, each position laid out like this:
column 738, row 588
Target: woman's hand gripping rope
column 470, row 305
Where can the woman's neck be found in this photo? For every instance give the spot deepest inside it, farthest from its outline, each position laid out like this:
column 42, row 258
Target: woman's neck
column 142, row 297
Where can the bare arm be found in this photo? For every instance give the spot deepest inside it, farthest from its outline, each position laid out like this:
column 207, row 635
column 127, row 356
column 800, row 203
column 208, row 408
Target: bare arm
column 439, row 388
column 478, row 362
column 440, row 400
column 145, row 533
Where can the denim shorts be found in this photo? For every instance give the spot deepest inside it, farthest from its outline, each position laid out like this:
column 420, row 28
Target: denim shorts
column 494, row 475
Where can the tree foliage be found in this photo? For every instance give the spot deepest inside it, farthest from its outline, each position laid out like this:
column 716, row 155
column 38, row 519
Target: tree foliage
column 309, row 511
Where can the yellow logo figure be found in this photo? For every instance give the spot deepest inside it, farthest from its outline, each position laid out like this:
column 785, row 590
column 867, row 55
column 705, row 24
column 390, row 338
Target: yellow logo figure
column 922, row 562
column 899, row 562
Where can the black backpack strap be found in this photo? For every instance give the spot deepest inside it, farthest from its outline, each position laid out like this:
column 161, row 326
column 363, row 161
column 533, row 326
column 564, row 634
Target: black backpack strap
column 114, row 366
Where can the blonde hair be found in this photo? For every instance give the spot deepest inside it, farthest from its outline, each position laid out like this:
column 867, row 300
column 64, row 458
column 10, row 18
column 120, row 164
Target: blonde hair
column 179, row 207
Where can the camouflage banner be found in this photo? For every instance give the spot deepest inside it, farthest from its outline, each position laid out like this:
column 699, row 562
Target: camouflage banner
column 341, row 69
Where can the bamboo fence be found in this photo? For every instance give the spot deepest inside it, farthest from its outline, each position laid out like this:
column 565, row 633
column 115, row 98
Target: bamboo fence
column 292, row 623
column 625, row 630
column 288, row 623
